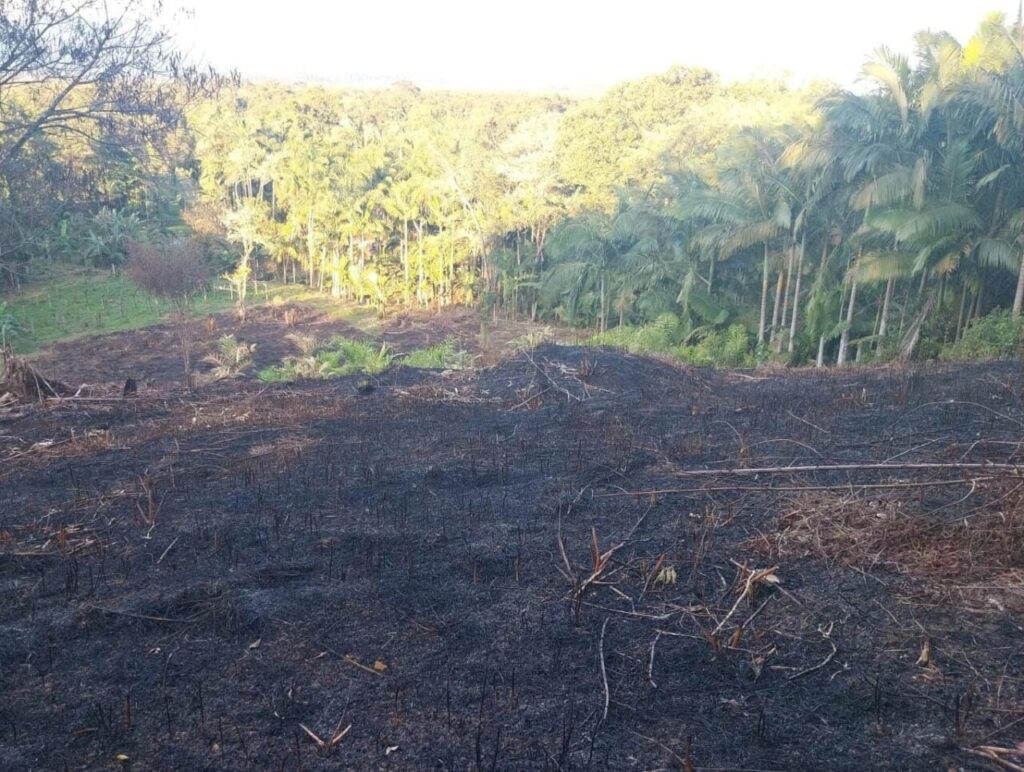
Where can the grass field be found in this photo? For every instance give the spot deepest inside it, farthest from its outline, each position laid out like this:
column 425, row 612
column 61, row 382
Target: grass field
column 79, row 303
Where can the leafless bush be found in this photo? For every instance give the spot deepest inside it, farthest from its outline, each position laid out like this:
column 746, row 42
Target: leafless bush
column 174, row 271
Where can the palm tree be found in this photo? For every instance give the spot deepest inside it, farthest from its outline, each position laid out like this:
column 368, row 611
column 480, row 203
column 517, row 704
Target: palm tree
column 990, row 103
column 750, row 206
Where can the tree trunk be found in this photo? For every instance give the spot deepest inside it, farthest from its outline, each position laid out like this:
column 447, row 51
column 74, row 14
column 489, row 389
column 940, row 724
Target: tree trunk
column 778, row 306
column 351, row 259
column 844, row 340
column 1018, row 298
column 960, row 317
column 764, row 298
column 883, row 325
column 421, row 295
column 910, row 340
column 336, row 276
column 785, row 297
column 820, row 361
column 310, row 249
column 405, row 258
column 796, row 295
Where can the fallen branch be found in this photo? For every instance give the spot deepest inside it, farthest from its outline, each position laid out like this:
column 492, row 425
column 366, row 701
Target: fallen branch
column 819, row 666
column 549, row 379
column 842, row 468
column 797, row 488
column 327, row 746
column 352, row 661
column 604, row 673
column 995, row 755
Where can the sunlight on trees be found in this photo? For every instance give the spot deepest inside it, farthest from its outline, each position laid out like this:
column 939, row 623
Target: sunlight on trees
column 831, row 226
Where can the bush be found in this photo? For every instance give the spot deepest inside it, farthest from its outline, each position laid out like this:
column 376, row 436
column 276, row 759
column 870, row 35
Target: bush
column 348, row 357
column 996, row 336
column 731, row 347
column 231, row 358
column 720, row 348
column 443, row 356
column 9, row 326
column 341, row 356
column 174, row 270
column 659, row 337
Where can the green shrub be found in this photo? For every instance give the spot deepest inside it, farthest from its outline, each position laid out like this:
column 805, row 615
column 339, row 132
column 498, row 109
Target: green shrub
column 348, row 357
column 341, row 356
column 658, row 337
column 277, row 374
column 995, row 336
column 443, row 356
column 730, row 347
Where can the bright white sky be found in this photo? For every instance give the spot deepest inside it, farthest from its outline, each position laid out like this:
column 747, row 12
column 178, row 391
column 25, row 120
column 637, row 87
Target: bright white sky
column 565, row 45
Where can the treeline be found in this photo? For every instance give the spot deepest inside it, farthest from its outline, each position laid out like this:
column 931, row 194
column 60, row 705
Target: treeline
column 725, row 222
column 401, row 196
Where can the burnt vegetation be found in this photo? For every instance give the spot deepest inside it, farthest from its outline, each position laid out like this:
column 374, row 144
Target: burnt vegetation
column 573, row 559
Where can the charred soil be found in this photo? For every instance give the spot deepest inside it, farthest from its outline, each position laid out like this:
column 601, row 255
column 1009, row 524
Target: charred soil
column 573, row 559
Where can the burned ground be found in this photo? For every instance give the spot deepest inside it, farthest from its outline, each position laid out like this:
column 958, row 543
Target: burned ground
column 525, row 567
column 152, row 355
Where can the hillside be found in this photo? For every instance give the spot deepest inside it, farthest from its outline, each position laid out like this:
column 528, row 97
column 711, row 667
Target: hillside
column 566, row 560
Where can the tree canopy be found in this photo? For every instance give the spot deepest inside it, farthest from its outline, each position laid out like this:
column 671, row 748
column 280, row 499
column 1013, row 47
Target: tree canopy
column 813, row 223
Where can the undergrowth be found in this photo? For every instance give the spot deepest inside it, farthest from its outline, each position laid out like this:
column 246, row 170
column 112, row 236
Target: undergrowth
column 996, row 336
column 343, row 356
column 702, row 346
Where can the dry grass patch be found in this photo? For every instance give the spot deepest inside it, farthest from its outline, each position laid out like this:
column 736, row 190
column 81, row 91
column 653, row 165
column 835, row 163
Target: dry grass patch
column 972, row 556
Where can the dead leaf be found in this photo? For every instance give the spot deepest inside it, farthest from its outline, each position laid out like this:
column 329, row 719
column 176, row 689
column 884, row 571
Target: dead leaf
column 925, row 658
column 667, row 576
column 757, row 665
column 379, row 666
column 256, row 644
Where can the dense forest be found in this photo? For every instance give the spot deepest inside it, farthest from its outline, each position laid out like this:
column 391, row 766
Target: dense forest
column 725, row 222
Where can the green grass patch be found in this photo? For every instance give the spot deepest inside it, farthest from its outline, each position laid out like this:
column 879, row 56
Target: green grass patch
column 72, row 303
column 702, row 347
column 344, row 356
column 89, row 303
column 996, row 336
column 340, row 356
column 443, row 356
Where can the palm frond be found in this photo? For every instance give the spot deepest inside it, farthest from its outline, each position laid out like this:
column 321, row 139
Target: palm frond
column 925, row 225
column 877, row 267
column 886, row 190
column 997, row 252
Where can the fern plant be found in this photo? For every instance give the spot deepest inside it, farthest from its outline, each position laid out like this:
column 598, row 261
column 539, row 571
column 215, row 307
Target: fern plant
column 9, row 326
column 231, row 358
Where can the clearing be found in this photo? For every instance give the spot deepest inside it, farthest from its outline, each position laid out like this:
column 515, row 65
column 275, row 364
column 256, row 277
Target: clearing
column 571, row 558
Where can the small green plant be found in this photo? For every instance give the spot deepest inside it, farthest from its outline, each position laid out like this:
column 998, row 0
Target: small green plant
column 531, row 340
column 9, row 326
column 341, row 356
column 443, row 356
column 231, row 358
column 995, row 336
column 348, row 357
column 701, row 346
column 730, row 347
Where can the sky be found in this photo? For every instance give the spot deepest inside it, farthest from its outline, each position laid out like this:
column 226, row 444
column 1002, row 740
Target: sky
column 570, row 46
